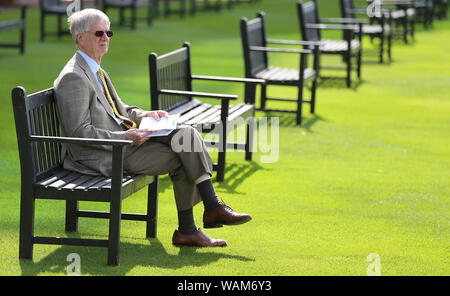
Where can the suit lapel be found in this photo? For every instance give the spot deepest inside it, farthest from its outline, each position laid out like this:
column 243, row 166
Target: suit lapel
column 100, row 94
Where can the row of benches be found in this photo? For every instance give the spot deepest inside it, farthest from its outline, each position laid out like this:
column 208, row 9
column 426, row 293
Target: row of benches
column 39, row 140
column 58, row 8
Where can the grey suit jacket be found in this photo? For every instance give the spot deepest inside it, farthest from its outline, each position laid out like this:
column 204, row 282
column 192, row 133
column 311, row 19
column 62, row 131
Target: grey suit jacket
column 84, row 112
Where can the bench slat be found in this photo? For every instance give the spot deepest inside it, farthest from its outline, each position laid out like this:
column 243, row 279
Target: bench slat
column 77, row 182
column 204, row 115
column 85, row 186
column 193, row 112
column 54, row 178
column 185, row 107
column 11, row 25
column 65, row 180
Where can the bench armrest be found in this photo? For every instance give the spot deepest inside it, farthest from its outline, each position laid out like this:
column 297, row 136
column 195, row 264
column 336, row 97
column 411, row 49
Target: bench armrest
column 357, row 10
column 197, row 94
column 91, row 141
column 332, row 27
column 229, row 79
column 393, row 2
column 294, row 42
column 344, row 20
column 274, row 49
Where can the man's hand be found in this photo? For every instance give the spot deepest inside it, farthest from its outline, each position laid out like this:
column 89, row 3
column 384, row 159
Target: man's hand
column 138, row 136
column 157, row 114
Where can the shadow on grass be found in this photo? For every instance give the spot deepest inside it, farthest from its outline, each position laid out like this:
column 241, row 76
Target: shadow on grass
column 338, row 82
column 289, row 119
column 236, row 173
column 93, row 259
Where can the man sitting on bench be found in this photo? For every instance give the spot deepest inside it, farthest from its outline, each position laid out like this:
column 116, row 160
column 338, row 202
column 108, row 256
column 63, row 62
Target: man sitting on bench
column 89, row 107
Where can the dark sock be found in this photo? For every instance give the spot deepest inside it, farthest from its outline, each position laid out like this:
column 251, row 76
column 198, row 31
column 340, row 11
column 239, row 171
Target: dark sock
column 186, row 222
column 208, row 194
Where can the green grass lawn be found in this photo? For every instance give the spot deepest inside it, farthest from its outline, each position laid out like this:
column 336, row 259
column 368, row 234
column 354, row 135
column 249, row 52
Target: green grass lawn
column 368, row 173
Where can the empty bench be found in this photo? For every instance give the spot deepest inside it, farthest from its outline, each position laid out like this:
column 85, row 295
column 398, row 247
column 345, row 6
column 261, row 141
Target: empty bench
column 15, row 24
column 43, row 177
column 171, row 90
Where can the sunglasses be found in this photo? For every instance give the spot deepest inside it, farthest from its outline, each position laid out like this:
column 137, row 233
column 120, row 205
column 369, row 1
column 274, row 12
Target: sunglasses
column 100, row 33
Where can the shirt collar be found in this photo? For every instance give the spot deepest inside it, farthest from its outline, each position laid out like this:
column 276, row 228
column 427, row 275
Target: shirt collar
column 91, row 63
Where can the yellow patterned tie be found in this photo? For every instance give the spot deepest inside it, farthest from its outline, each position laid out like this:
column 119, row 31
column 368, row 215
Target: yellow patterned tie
column 128, row 123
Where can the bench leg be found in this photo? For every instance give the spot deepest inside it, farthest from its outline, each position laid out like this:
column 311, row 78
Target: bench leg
column 42, row 26
column 60, row 33
column 299, row 103
column 312, row 106
column 390, row 46
column 71, row 215
column 114, row 231
column 22, row 40
column 250, row 93
column 358, row 66
column 381, row 48
column 263, row 96
column 193, row 8
column 152, row 209
column 133, row 17
column 405, row 30
column 121, row 16
column 222, row 155
column 249, row 138
column 348, row 63
column 26, row 224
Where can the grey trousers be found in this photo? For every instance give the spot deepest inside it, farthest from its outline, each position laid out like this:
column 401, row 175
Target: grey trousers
column 162, row 155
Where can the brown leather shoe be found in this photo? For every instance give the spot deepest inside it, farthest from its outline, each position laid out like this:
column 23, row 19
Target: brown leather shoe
column 223, row 215
column 196, row 239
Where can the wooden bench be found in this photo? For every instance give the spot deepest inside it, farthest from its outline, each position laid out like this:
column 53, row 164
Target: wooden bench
column 255, row 48
column 380, row 27
column 348, row 48
column 17, row 24
column 171, row 90
column 43, row 177
column 400, row 13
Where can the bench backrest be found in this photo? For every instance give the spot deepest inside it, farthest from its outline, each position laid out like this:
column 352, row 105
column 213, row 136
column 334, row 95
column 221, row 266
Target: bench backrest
column 170, row 71
column 347, row 9
column 50, row 3
column 253, row 34
column 308, row 14
column 36, row 114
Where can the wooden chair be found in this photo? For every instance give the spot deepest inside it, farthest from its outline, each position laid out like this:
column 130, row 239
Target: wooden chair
column 348, row 48
column 15, row 24
column 380, row 30
column 43, row 177
column 171, row 90
column 257, row 66
column 133, row 6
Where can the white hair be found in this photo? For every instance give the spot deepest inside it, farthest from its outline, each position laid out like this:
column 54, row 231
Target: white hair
column 81, row 21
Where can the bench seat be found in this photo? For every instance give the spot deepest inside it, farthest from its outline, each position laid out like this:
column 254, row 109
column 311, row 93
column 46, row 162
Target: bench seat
column 285, row 76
